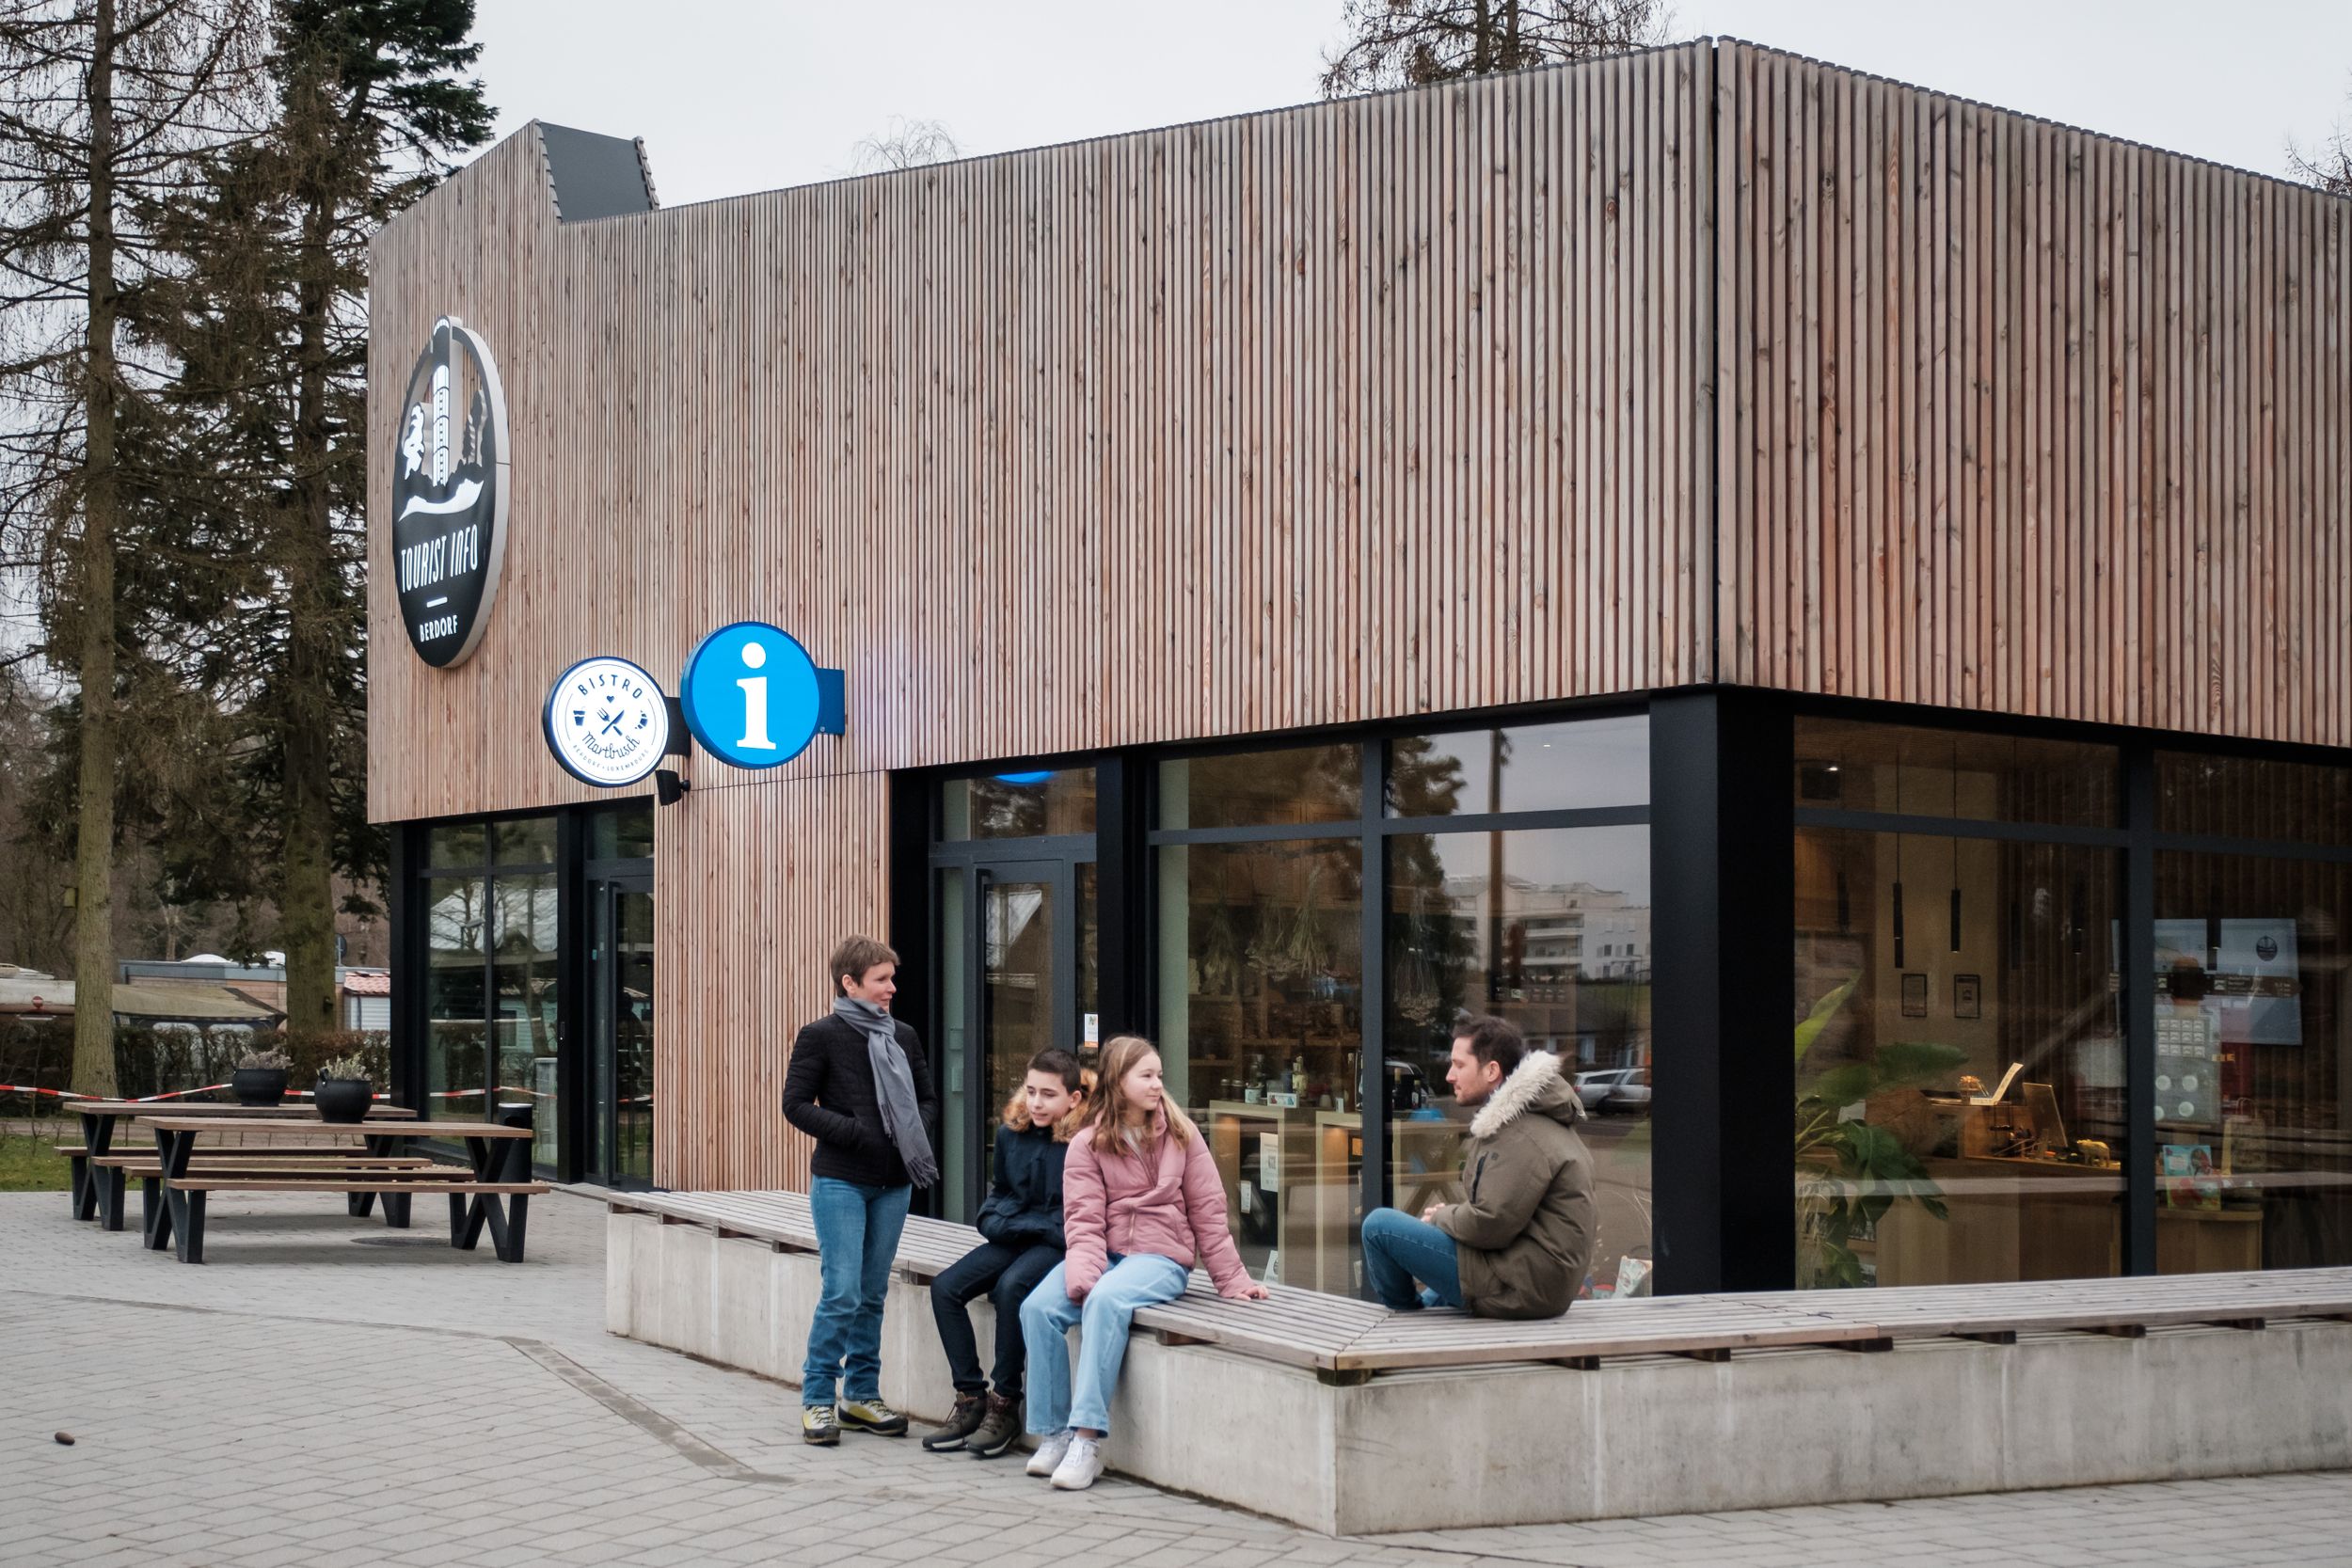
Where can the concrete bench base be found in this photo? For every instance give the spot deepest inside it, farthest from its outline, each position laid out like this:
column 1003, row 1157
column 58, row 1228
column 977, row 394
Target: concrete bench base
column 1538, row 1445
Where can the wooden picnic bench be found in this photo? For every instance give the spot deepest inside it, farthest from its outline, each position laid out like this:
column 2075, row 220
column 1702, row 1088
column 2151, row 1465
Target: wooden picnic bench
column 102, row 1200
column 492, row 1191
column 1346, row 1341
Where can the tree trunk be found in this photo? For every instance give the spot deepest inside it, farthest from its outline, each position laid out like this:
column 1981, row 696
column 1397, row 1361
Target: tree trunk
column 94, row 844
column 306, row 904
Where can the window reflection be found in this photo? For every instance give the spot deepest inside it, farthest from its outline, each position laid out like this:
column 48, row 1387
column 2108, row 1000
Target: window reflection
column 1307, row 783
column 1853, row 766
column 457, row 927
column 1573, row 766
column 1018, row 805
column 1261, row 958
column 1549, row 928
column 2253, row 1158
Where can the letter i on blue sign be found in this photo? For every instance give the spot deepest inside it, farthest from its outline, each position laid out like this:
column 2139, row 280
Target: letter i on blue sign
column 753, row 697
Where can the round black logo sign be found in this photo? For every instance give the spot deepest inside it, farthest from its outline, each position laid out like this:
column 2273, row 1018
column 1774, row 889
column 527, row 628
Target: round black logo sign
column 449, row 494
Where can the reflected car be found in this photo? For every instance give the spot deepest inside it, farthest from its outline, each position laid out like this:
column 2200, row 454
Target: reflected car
column 1614, row 1091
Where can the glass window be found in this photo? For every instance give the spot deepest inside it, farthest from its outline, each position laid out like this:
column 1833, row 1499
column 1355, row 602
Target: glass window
column 1248, row 789
column 456, row 844
column 2253, row 1156
column 523, row 947
column 457, row 923
column 1549, row 928
column 1961, row 1115
column 1018, row 805
column 623, row 835
column 2253, row 797
column 528, row 841
column 1564, row 766
column 1842, row 764
column 1261, row 953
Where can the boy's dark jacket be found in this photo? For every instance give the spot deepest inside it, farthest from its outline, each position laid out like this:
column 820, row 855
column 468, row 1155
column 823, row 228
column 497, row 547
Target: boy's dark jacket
column 829, row 1095
column 1024, row 1206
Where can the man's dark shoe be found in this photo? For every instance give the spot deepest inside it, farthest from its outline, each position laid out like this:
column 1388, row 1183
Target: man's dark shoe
column 1000, row 1430
column 962, row 1421
column 818, row 1425
column 872, row 1415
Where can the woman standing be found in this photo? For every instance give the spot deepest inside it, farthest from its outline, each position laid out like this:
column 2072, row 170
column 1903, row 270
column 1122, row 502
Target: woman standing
column 1141, row 1200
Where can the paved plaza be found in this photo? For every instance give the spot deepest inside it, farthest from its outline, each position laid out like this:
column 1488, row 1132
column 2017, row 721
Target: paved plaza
column 324, row 1391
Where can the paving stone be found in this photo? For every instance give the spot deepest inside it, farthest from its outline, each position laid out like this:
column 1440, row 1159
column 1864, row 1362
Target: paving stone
column 307, row 1397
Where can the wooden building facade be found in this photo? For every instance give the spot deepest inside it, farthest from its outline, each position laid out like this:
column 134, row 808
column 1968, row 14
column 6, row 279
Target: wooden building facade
column 1732, row 402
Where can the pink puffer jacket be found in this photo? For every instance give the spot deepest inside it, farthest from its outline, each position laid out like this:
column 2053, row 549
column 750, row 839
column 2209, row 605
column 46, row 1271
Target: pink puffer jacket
column 1113, row 1201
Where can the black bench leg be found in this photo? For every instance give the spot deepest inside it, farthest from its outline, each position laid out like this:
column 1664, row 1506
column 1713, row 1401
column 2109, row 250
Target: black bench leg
column 518, row 1219
column 396, row 1211
column 190, row 1240
column 457, row 1207
column 362, row 1205
column 469, row 1233
column 151, row 1202
column 115, row 1201
column 81, row 1181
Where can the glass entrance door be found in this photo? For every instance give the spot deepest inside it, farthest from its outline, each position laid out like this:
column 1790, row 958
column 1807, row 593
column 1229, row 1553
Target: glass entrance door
column 620, row 1029
column 1017, row 941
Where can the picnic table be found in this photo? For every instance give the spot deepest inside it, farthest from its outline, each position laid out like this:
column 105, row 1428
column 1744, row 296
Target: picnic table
column 103, row 1198
column 494, row 1193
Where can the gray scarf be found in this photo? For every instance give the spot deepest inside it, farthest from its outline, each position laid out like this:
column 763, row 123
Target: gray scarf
column 894, row 1087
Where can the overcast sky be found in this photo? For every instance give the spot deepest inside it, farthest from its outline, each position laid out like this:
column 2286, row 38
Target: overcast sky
column 734, row 96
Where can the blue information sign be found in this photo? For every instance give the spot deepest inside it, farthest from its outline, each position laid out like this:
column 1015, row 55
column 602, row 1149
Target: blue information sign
column 754, row 698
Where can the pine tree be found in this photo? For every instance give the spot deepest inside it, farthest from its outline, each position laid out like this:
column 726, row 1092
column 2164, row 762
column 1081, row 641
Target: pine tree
column 270, row 319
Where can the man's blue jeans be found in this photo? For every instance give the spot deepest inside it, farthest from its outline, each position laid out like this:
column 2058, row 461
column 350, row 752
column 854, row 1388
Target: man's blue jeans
column 857, row 1239
column 1399, row 1249
column 1057, row 1399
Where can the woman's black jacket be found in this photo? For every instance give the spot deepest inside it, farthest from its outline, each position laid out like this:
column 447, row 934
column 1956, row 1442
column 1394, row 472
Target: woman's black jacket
column 829, row 1095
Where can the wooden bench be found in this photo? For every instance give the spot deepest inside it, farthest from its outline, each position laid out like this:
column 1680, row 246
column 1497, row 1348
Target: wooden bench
column 465, row 1218
column 1346, row 1341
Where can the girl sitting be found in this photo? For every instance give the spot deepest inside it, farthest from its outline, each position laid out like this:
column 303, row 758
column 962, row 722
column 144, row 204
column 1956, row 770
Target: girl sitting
column 1021, row 1223
column 1140, row 1199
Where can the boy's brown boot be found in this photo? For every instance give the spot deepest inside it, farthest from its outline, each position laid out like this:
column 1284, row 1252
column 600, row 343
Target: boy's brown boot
column 962, row 1421
column 998, row 1431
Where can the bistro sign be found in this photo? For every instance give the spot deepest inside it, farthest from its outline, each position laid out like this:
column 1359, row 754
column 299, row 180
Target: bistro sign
column 607, row 721
column 450, row 479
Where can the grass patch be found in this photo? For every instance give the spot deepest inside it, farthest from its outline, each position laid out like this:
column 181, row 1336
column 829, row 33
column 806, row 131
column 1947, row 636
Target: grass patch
column 32, row 1164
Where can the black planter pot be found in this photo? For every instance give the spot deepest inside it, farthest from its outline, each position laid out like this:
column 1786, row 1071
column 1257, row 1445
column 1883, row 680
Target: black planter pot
column 257, row 1085
column 343, row 1098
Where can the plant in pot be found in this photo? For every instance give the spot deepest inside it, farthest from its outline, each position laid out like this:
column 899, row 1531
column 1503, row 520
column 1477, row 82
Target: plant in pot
column 259, row 1078
column 344, row 1092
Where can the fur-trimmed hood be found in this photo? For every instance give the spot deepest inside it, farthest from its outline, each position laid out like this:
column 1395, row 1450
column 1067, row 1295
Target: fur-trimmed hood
column 1534, row 1085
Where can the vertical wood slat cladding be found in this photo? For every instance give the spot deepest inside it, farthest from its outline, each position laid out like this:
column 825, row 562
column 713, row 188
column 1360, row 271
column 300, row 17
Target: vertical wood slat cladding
column 1267, row 422
column 2025, row 419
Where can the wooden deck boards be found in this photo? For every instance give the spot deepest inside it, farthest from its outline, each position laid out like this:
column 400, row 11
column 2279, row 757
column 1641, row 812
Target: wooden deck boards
column 1337, row 1334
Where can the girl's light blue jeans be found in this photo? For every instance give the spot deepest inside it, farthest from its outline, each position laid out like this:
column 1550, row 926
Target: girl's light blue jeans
column 1058, row 1398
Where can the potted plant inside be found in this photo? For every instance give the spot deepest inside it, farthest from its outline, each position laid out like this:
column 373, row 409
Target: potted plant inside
column 344, row 1092
column 259, row 1078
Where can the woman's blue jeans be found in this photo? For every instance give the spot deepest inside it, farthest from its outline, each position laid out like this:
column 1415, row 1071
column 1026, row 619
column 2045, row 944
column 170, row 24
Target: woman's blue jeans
column 1399, row 1249
column 1056, row 1399
column 857, row 1240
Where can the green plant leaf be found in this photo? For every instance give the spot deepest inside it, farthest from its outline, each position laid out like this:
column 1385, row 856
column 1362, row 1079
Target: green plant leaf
column 1903, row 1063
column 1823, row 1010
column 1843, row 1085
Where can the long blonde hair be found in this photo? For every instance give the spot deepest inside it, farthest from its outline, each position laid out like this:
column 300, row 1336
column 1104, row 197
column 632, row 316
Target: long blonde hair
column 1105, row 1118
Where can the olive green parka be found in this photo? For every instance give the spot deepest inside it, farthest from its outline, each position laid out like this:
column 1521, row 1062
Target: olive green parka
column 1523, row 1231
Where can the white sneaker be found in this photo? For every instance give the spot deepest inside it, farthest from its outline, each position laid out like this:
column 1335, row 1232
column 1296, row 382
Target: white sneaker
column 1049, row 1452
column 1081, row 1467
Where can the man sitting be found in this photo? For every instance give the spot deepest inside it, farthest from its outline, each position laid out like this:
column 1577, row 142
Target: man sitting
column 1517, row 1245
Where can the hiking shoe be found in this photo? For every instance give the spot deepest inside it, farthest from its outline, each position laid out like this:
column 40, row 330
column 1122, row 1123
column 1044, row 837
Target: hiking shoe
column 1080, row 1465
column 1000, row 1430
column 962, row 1421
column 872, row 1415
column 818, row 1425
column 1049, row 1452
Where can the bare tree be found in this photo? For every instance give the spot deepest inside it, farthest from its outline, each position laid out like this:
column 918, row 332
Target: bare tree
column 2328, row 166
column 1411, row 43
column 903, row 144
column 101, row 103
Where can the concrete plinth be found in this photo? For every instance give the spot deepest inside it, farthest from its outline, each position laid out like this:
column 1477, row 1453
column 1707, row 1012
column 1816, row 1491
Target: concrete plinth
column 1536, row 1445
